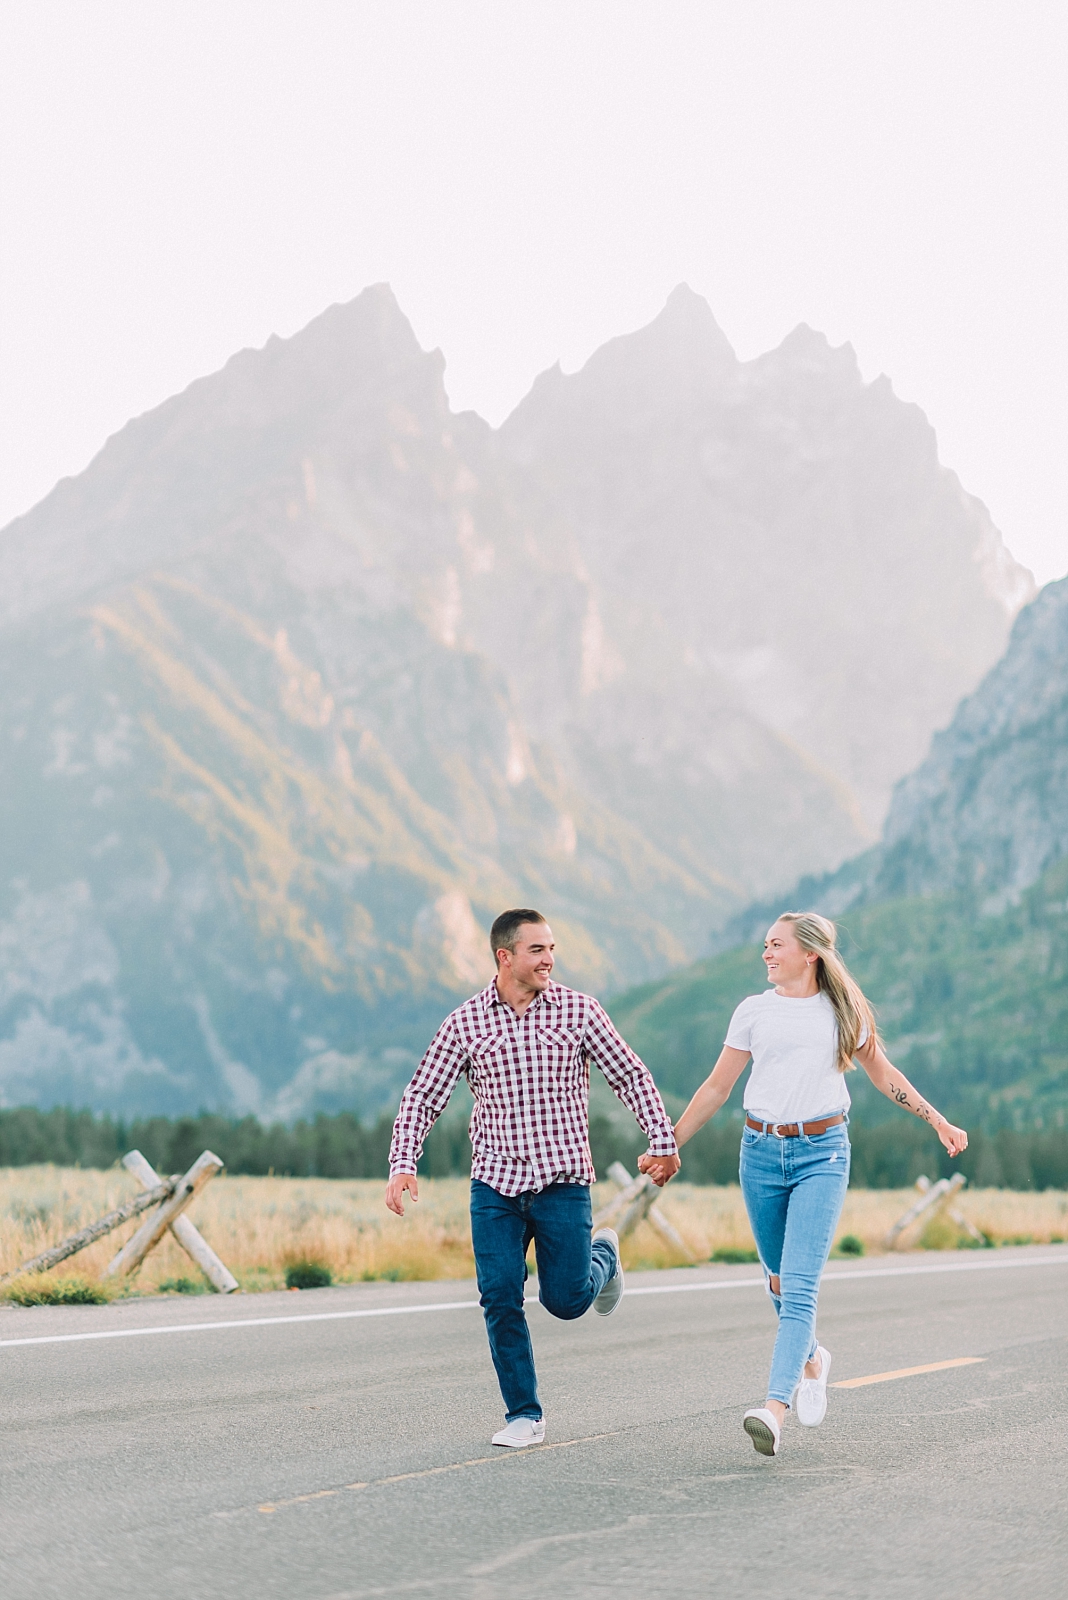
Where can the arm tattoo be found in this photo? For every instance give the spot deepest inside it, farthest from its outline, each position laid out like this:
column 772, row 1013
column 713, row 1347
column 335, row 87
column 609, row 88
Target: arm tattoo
column 920, row 1109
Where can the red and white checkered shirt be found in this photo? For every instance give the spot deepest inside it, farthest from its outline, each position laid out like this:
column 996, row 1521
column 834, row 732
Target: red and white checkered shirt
column 530, row 1077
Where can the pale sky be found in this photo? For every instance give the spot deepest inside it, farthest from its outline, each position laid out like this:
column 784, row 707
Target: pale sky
column 180, row 180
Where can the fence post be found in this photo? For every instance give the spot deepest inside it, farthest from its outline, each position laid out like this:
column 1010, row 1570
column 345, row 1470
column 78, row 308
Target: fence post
column 191, row 1240
column 152, row 1230
column 637, row 1199
column 932, row 1196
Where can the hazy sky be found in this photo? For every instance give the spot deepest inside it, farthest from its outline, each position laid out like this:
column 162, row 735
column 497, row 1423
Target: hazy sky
column 183, row 179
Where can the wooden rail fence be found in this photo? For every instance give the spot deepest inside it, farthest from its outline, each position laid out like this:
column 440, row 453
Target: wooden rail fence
column 935, row 1197
column 637, row 1202
column 170, row 1197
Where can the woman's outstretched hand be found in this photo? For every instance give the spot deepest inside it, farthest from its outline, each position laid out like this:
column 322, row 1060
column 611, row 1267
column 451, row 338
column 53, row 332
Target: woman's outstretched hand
column 660, row 1168
column 954, row 1139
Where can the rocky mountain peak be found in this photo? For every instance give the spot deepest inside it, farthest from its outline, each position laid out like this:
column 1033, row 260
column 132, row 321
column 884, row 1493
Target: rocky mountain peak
column 807, row 352
column 351, row 356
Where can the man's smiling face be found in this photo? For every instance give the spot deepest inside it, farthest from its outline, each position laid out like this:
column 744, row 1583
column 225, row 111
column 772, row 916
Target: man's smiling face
column 531, row 962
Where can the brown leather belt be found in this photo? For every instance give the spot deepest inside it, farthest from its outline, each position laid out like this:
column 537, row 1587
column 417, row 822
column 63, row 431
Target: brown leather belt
column 790, row 1130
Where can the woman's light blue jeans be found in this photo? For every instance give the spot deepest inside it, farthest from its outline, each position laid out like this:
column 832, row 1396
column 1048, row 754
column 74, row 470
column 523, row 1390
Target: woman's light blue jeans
column 793, row 1190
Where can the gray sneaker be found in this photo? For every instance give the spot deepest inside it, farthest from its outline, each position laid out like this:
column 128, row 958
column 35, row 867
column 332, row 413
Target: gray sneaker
column 612, row 1293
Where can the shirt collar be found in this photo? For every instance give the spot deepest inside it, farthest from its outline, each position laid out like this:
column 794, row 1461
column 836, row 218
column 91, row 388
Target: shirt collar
column 548, row 997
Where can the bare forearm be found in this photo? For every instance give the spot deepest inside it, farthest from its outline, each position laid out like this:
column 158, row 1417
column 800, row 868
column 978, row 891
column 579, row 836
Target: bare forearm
column 705, row 1103
column 897, row 1088
column 892, row 1082
column 712, row 1094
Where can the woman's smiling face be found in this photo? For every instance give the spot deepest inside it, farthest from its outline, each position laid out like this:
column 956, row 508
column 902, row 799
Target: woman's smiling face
column 786, row 962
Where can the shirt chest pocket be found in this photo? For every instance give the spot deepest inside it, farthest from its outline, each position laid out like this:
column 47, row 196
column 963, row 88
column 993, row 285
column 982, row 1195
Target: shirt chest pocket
column 558, row 1049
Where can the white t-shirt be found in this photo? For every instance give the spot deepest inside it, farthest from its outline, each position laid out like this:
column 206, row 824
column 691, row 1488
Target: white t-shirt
column 794, row 1045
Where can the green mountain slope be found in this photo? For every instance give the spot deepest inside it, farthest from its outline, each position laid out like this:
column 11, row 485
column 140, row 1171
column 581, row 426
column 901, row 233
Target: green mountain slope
column 974, row 1008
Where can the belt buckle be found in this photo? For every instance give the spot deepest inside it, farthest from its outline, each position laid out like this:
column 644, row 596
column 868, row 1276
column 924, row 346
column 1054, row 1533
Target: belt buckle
column 776, row 1128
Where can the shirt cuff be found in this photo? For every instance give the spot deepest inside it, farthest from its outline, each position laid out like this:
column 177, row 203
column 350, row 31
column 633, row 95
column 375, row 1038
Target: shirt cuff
column 663, row 1144
column 402, row 1164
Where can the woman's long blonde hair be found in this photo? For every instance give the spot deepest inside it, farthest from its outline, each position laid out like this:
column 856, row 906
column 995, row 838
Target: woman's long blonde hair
column 818, row 936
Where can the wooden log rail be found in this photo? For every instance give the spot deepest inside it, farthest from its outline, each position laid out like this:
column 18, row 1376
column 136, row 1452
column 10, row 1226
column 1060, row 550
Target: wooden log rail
column 95, row 1230
column 935, row 1197
column 637, row 1202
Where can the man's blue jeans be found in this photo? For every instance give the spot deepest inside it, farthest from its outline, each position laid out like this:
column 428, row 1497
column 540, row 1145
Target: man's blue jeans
column 794, row 1189
column 571, row 1273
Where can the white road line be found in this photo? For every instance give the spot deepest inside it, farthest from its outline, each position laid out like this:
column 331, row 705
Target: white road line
column 244, row 1322
column 984, row 1265
column 469, row 1305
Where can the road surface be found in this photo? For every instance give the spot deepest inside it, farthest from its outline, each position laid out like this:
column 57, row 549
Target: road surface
column 284, row 1447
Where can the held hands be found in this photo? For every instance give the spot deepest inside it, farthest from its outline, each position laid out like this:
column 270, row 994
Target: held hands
column 954, row 1139
column 660, row 1168
column 395, row 1191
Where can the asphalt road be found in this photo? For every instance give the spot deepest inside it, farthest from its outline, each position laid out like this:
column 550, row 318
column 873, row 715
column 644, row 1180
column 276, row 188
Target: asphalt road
column 324, row 1456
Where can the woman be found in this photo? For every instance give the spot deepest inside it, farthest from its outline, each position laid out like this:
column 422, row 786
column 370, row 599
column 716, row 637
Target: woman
column 802, row 1036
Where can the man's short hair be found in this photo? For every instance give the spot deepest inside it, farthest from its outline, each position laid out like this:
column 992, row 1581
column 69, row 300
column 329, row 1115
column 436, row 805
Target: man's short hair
column 504, row 930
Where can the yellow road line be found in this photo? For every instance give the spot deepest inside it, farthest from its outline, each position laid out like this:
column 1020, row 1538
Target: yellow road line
column 906, row 1372
column 272, row 1506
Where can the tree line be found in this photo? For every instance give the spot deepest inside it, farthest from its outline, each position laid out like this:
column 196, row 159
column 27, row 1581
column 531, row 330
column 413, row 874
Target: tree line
column 889, row 1155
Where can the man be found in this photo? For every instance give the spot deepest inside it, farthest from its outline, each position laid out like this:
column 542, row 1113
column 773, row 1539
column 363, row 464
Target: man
column 525, row 1045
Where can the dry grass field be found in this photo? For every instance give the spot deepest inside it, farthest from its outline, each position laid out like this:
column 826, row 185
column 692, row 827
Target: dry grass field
column 259, row 1226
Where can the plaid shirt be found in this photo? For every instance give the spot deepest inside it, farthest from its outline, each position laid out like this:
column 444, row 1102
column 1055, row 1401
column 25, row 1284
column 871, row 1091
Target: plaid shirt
column 530, row 1077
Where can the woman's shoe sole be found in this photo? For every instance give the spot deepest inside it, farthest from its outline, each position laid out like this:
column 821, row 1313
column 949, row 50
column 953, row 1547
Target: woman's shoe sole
column 761, row 1435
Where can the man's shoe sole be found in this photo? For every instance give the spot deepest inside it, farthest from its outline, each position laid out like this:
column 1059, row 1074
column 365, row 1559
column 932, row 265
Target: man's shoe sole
column 761, row 1435
column 607, row 1301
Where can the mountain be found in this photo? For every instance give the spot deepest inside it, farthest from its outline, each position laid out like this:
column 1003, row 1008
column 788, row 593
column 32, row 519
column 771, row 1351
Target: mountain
column 986, row 813
column 306, row 676
column 773, row 534
column 954, row 924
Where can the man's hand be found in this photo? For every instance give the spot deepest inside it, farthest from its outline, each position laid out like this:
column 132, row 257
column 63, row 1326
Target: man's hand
column 395, row 1191
column 660, row 1168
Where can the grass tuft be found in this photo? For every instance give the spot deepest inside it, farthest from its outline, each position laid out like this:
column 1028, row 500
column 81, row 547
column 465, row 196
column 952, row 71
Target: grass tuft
column 308, row 1275
column 850, row 1245
column 45, row 1291
column 180, row 1286
column 734, row 1257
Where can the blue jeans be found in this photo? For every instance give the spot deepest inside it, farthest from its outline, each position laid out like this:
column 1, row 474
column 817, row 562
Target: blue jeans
column 571, row 1273
column 793, row 1190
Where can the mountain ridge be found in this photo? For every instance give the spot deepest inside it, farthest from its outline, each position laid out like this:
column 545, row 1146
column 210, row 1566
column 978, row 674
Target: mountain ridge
column 306, row 675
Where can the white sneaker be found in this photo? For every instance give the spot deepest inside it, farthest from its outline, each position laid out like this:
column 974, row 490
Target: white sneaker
column 612, row 1293
column 810, row 1396
column 762, row 1428
column 520, row 1433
